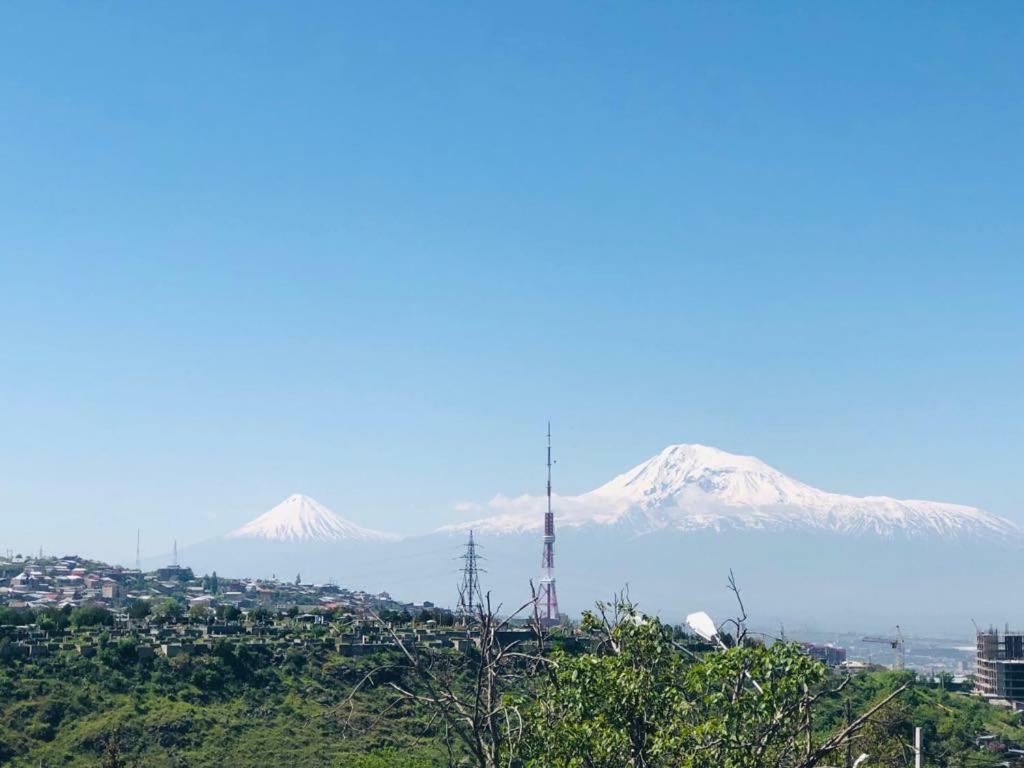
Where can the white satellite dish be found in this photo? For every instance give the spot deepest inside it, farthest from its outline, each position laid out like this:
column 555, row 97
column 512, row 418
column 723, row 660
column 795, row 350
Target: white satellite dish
column 703, row 625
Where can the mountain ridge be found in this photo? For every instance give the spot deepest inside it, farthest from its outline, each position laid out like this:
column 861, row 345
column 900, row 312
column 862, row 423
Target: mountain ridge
column 690, row 487
column 671, row 528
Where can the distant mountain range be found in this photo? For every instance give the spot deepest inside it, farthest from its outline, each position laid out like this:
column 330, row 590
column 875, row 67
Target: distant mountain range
column 697, row 487
column 671, row 528
column 683, row 488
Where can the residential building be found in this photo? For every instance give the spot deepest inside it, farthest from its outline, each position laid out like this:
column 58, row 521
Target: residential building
column 829, row 655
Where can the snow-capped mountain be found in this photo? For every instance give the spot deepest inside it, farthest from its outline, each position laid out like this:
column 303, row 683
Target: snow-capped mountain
column 301, row 518
column 670, row 529
column 697, row 487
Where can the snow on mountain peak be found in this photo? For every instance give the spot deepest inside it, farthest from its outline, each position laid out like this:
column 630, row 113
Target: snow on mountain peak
column 301, row 518
column 693, row 472
column 692, row 487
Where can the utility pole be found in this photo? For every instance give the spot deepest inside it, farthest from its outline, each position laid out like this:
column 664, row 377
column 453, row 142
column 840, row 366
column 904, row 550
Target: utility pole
column 918, row 750
column 848, row 711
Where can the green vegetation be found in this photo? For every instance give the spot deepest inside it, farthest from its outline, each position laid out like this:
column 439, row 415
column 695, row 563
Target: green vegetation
column 642, row 702
column 90, row 616
column 951, row 722
column 638, row 699
column 630, row 693
column 235, row 706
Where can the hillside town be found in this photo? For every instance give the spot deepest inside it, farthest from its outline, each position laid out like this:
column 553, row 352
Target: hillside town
column 71, row 581
column 74, row 605
column 172, row 606
column 69, row 603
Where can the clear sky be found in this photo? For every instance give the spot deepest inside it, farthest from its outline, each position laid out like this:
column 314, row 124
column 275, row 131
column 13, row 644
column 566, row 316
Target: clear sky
column 365, row 252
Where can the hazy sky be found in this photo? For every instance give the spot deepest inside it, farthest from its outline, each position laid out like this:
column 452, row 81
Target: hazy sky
column 365, row 252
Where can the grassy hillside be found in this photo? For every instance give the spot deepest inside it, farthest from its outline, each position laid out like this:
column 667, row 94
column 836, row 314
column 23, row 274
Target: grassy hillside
column 951, row 722
column 234, row 707
column 249, row 706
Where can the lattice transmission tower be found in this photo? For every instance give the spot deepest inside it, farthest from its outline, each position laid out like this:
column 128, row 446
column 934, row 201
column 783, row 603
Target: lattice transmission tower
column 470, row 595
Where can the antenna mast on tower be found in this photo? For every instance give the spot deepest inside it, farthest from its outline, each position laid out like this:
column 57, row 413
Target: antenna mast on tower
column 547, row 597
column 138, row 544
column 470, row 597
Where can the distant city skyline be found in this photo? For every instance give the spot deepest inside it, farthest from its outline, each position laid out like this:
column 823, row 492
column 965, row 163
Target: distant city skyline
column 246, row 257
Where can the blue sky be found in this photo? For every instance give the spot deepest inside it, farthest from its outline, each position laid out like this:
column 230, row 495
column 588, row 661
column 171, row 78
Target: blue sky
column 364, row 252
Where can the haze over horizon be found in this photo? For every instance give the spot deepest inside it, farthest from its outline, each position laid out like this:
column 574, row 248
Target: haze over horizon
column 242, row 258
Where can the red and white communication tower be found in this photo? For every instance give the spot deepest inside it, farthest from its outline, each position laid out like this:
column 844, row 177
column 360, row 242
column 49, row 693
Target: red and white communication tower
column 547, row 598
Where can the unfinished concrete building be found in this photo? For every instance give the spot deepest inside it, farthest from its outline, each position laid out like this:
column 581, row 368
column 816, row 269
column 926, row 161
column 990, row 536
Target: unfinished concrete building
column 1000, row 666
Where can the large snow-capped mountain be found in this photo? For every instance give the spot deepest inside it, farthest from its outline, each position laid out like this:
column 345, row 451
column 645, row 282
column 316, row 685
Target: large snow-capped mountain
column 301, row 518
column 670, row 529
column 697, row 487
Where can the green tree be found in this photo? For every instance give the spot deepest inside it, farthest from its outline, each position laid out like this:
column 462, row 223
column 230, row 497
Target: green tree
column 887, row 738
column 139, row 610
column 112, row 754
column 168, row 611
column 624, row 704
column 91, row 616
column 14, row 616
column 260, row 615
column 228, row 613
column 50, row 619
column 636, row 699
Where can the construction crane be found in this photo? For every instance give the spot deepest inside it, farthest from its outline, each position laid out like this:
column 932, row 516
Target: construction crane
column 896, row 643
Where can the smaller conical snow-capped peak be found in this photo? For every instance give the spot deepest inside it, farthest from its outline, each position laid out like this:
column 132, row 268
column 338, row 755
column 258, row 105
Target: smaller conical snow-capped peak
column 301, row 518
